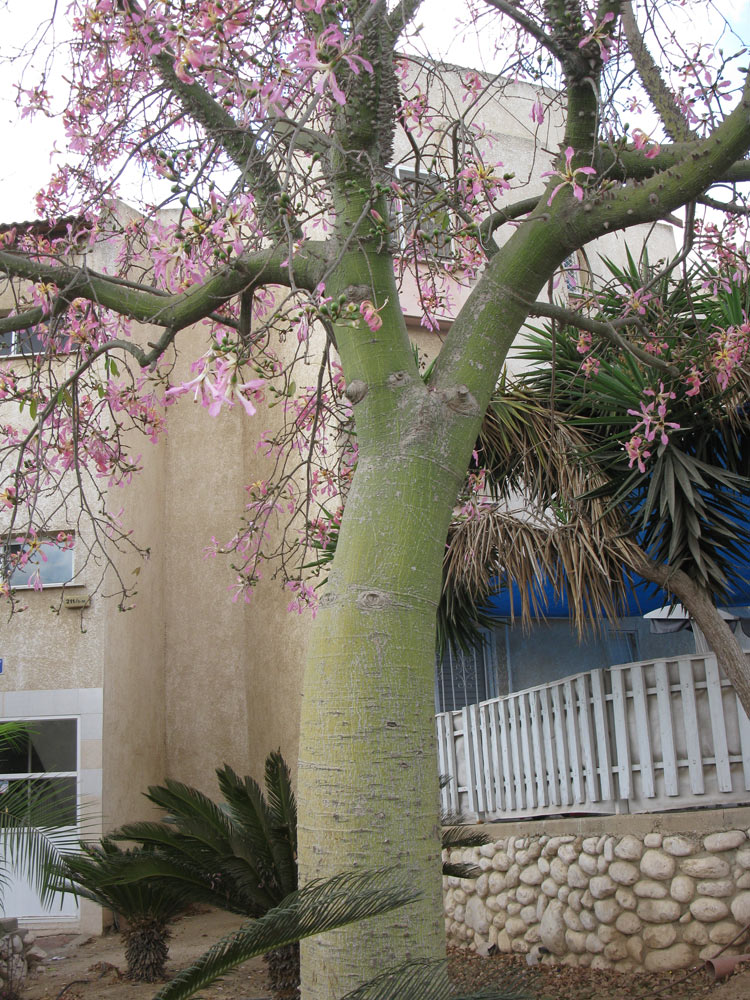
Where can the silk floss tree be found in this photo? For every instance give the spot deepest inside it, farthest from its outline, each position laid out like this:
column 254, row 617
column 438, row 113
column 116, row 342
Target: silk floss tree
column 276, row 134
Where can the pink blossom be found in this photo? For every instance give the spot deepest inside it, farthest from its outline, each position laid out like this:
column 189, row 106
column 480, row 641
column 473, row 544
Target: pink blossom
column 568, row 175
column 371, row 315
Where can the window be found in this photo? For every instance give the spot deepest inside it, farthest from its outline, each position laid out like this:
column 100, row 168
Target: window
column 465, row 678
column 24, row 342
column 42, row 562
column 44, row 761
column 421, row 211
column 576, row 276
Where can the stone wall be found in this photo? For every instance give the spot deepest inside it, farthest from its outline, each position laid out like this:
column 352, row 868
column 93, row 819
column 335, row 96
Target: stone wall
column 18, row 954
column 638, row 892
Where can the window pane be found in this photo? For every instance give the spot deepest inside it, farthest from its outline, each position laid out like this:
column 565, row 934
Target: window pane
column 15, row 759
column 6, row 343
column 29, row 342
column 53, row 745
column 52, row 562
column 42, row 801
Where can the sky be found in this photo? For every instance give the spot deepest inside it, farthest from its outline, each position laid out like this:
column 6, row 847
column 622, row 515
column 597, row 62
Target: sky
column 25, row 163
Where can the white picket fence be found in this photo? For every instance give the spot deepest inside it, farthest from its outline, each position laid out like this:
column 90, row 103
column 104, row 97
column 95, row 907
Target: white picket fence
column 637, row 737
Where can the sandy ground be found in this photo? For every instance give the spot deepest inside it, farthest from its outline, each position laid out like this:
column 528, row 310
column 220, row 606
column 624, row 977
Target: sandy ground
column 93, row 969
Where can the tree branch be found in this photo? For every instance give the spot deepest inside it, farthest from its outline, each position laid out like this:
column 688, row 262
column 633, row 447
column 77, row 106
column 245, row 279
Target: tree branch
column 602, row 329
column 402, row 15
column 661, row 98
column 534, row 29
column 181, row 309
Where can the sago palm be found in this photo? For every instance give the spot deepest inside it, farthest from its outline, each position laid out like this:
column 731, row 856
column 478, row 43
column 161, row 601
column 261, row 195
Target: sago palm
column 102, row 873
column 240, row 856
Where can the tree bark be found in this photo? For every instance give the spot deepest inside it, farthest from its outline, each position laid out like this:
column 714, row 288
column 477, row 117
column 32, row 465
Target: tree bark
column 729, row 654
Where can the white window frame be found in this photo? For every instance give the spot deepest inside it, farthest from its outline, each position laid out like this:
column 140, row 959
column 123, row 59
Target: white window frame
column 6, row 776
column 46, row 538
column 15, row 349
column 407, row 175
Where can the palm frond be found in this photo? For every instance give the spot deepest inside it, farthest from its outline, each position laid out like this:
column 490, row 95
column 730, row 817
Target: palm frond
column 428, row 980
column 314, row 909
column 461, row 869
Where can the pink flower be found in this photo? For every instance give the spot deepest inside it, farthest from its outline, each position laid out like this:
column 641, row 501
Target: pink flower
column 600, row 36
column 568, row 175
column 371, row 315
column 537, row 111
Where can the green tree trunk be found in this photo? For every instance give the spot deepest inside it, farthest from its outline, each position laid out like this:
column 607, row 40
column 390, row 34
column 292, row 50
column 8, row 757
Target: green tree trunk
column 368, row 781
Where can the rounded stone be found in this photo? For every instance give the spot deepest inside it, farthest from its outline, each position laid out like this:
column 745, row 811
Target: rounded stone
column 724, row 840
column 567, row 853
column 577, row 878
column 476, row 917
column 682, row 888
column 723, row 932
column 607, row 933
column 652, row 840
column 512, row 908
column 679, row 847
column 588, row 920
column 709, row 910
column 544, row 865
column 587, row 899
column 532, row 935
column 576, row 941
column 679, row 956
column 616, row 950
column 602, row 886
column 602, row 864
column 593, row 945
column 503, row 942
column 626, row 898
column 607, row 910
column 512, row 876
column 501, row 862
column 696, row 934
column 705, row 867
column 492, row 904
column 519, row 946
column 482, row 886
column 590, row 845
column 515, row 927
column 487, row 850
column 559, row 871
column 623, row 872
column 743, row 857
column 647, row 889
column 574, row 899
column 459, row 895
column 740, row 907
column 532, row 875
column 659, row 935
column 549, row 887
column 635, row 949
column 588, row 863
column 528, row 915
column 628, row 923
column 624, row 966
column 572, row 920
column 495, row 883
column 629, row 848
column 718, row 887
column 658, row 911
column 526, row 894
column 658, row 865
column 552, row 928
column 743, row 882
column 600, row 963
